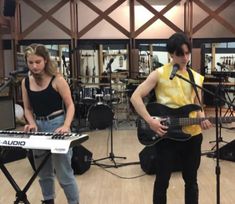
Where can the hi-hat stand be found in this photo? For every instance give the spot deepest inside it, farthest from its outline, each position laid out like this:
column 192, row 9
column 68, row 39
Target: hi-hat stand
column 129, row 113
column 129, row 109
column 111, row 156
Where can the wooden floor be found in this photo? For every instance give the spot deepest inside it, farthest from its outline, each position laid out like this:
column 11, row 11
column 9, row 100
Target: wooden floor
column 128, row 184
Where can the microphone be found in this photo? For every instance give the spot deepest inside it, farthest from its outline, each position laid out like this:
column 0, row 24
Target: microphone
column 64, row 61
column 174, row 70
column 110, row 61
column 19, row 71
column 221, row 65
column 109, row 64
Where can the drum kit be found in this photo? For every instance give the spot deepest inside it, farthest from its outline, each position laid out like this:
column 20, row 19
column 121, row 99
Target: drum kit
column 94, row 106
column 98, row 106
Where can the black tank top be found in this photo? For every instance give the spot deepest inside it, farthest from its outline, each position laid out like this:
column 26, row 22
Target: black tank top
column 44, row 102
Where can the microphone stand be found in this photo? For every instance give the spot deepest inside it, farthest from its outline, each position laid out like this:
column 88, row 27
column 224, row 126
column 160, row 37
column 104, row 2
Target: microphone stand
column 111, row 154
column 10, row 82
column 219, row 91
column 217, row 168
column 7, row 83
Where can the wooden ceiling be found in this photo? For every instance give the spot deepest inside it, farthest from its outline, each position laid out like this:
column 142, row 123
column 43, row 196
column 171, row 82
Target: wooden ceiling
column 132, row 33
column 5, row 25
column 214, row 14
column 12, row 25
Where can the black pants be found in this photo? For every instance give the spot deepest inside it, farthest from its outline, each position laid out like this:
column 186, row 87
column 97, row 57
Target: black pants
column 189, row 153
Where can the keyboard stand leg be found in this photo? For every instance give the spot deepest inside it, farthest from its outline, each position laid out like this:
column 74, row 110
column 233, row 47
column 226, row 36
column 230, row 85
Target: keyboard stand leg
column 21, row 194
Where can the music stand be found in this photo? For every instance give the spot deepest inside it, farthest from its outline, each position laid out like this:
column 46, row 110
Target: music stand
column 111, row 156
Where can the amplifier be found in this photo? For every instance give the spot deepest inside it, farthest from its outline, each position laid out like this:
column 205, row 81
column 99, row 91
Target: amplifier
column 7, row 111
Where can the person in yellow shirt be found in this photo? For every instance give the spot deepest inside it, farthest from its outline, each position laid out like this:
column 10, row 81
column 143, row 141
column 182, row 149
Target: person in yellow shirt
column 174, row 93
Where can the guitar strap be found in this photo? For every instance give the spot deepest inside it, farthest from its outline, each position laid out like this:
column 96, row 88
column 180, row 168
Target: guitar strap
column 191, row 77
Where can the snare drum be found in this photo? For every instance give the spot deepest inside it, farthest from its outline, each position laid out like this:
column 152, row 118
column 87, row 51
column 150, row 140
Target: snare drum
column 100, row 116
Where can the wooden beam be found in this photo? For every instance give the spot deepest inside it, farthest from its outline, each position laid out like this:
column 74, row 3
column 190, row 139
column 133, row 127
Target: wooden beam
column 16, row 24
column 132, row 38
column 215, row 15
column 188, row 18
column 213, row 52
column 158, row 15
column 132, row 18
column 2, row 65
column 191, row 18
column 72, row 18
column 74, row 59
column 100, row 60
column 45, row 16
column 103, row 15
column 4, row 21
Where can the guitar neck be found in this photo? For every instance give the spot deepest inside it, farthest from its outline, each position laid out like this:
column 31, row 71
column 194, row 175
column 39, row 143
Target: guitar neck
column 194, row 121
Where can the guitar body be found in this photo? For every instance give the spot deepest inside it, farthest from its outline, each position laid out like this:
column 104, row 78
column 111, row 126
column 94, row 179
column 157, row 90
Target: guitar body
column 170, row 116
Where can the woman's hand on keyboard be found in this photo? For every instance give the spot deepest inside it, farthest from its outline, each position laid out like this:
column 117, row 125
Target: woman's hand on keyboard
column 63, row 129
column 30, row 128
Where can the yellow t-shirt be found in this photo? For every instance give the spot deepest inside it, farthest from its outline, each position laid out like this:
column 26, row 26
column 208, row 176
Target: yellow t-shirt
column 177, row 92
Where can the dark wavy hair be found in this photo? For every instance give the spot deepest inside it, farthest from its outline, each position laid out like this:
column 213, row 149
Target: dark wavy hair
column 175, row 42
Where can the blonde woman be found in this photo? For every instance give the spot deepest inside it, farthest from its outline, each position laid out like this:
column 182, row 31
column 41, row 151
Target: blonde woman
column 45, row 92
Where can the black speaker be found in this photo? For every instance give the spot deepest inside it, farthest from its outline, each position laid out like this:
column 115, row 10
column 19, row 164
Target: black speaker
column 134, row 63
column 81, row 159
column 148, row 160
column 7, row 122
column 80, row 162
column 9, row 8
column 209, row 99
column 10, row 154
column 227, row 152
column 7, row 110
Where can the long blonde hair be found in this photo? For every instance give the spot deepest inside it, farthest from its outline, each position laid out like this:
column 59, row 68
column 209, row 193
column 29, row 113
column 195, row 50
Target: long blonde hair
column 42, row 51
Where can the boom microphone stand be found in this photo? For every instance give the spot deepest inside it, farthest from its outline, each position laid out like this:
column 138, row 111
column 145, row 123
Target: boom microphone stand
column 218, row 98
column 111, row 154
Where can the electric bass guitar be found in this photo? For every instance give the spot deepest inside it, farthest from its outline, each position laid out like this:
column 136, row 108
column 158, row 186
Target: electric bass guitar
column 175, row 119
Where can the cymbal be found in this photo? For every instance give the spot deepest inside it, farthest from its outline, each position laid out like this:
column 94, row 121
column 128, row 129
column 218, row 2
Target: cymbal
column 124, row 80
column 126, row 90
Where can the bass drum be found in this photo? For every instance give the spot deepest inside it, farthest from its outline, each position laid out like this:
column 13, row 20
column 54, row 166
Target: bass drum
column 100, row 116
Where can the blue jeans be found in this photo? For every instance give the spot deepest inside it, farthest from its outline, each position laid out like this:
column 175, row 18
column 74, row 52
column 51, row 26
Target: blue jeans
column 58, row 165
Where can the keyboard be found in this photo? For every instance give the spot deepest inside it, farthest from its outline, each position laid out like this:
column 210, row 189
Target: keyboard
column 55, row 142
